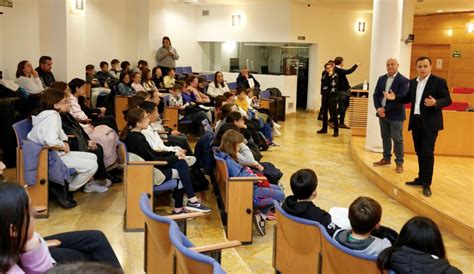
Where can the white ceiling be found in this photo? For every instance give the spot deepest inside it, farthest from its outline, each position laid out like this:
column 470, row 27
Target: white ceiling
column 422, row 6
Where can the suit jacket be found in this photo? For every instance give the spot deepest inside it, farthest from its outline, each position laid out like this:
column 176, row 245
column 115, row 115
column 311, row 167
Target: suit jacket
column 394, row 111
column 431, row 117
column 343, row 82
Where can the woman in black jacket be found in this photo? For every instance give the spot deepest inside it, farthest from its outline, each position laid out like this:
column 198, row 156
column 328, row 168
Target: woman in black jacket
column 176, row 167
column 418, row 249
column 330, row 93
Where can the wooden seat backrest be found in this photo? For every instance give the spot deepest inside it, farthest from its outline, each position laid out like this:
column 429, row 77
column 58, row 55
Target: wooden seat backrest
column 337, row 261
column 121, row 103
column 137, row 180
column 158, row 248
column 222, row 178
column 297, row 246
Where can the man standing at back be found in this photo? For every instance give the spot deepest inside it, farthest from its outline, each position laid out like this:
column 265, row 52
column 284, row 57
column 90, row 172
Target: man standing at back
column 44, row 71
column 391, row 113
column 428, row 95
column 344, row 87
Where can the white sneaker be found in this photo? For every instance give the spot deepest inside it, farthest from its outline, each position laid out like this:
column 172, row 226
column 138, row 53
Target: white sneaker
column 276, row 125
column 190, row 160
column 95, row 187
column 276, row 132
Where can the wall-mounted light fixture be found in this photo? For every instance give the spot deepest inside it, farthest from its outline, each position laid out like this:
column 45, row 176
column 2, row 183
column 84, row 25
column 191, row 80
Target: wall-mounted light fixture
column 236, row 20
column 450, row 32
column 470, row 27
column 361, row 26
column 77, row 6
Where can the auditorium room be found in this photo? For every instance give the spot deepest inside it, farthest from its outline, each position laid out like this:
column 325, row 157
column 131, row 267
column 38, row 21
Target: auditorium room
column 237, row 136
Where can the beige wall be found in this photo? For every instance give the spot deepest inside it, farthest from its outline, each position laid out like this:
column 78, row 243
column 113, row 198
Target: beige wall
column 334, row 33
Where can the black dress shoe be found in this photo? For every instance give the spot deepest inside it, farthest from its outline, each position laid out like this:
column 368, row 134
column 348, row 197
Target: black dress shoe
column 414, row 183
column 321, row 131
column 335, row 134
column 426, row 191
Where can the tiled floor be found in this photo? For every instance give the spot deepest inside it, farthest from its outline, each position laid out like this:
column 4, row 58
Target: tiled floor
column 340, row 182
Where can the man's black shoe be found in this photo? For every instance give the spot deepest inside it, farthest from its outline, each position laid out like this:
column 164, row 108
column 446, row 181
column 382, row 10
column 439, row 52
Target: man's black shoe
column 414, row 183
column 427, row 191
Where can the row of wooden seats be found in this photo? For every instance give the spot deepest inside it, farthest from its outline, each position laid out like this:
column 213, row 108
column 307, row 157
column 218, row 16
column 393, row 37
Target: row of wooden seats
column 167, row 250
column 303, row 246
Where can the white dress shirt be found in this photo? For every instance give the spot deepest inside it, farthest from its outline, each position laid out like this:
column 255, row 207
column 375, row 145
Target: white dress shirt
column 420, row 87
column 388, row 85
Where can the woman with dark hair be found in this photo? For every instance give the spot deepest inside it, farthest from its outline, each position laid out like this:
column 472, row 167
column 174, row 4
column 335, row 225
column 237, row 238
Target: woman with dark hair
column 124, row 88
column 166, row 56
column 28, row 78
column 418, row 249
column 218, row 86
column 175, row 168
column 82, row 112
column 22, row 250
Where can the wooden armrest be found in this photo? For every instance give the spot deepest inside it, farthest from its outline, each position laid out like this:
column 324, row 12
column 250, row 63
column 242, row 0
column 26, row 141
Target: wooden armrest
column 71, row 136
column 142, row 163
column 267, row 99
column 53, row 243
column 247, row 178
column 215, row 247
column 179, row 217
column 165, row 120
column 161, row 132
column 169, row 107
column 40, row 209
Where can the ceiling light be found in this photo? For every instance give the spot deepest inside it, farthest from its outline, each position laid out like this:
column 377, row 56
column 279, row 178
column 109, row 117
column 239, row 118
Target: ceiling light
column 470, row 27
column 439, row 11
column 361, row 26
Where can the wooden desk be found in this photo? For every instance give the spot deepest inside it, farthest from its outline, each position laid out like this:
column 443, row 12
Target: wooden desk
column 457, row 138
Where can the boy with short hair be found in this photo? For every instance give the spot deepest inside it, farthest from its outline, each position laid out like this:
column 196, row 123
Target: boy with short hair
column 364, row 214
column 300, row 204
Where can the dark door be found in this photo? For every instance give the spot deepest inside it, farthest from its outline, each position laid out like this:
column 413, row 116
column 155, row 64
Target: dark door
column 302, row 84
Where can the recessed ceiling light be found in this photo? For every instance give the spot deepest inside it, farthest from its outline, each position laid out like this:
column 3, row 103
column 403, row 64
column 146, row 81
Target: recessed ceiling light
column 439, row 10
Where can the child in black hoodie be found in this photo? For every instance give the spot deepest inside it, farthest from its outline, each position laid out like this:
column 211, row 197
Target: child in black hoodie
column 303, row 185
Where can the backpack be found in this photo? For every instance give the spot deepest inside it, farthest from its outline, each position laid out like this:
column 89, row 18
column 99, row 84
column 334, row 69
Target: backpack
column 272, row 173
column 274, row 92
column 203, row 152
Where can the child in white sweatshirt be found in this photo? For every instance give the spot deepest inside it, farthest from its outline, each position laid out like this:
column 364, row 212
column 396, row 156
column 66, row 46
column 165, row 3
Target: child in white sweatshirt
column 47, row 130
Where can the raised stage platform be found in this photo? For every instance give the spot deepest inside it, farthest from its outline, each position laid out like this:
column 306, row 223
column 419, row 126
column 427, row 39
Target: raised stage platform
column 452, row 204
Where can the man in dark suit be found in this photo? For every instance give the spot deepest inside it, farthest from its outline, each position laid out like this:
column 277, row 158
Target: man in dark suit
column 344, row 88
column 391, row 113
column 428, row 95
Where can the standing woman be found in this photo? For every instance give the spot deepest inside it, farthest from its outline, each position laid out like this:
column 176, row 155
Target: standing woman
column 166, row 56
column 330, row 93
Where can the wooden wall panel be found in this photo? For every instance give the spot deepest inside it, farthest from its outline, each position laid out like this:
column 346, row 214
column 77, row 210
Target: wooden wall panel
column 431, row 37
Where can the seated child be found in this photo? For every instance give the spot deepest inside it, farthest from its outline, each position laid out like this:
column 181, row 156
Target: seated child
column 418, row 249
column 303, row 185
column 190, row 111
column 24, row 251
column 364, row 214
column 47, row 131
column 176, row 167
column 263, row 193
column 153, row 138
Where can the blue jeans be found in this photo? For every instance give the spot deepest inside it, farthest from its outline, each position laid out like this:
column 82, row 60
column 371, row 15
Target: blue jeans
column 392, row 130
column 263, row 197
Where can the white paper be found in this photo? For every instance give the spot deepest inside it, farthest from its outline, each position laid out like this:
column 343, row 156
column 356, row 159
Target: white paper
column 251, row 83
